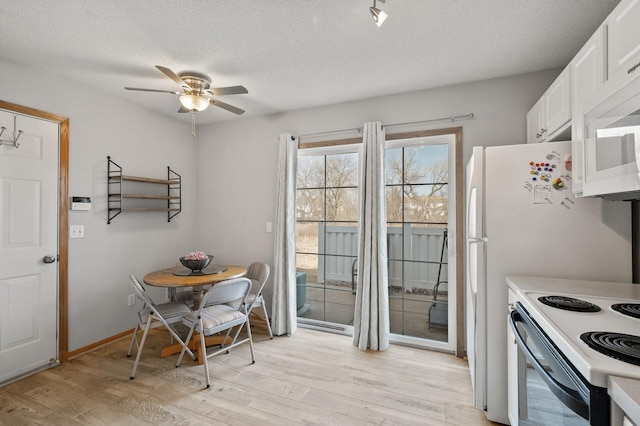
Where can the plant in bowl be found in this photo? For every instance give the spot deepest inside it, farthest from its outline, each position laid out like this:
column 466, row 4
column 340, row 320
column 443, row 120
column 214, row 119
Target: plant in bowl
column 196, row 260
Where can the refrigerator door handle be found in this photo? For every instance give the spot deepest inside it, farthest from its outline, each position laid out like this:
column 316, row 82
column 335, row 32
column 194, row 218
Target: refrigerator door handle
column 477, row 240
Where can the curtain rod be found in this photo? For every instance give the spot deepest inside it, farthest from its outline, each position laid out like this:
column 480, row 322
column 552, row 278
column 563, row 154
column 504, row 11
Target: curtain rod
column 454, row 118
column 359, row 129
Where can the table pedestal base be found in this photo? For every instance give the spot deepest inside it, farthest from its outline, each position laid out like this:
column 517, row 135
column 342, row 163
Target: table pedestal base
column 194, row 345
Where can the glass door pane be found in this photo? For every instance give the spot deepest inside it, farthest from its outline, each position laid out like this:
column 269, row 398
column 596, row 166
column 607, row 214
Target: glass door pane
column 326, row 235
column 417, row 237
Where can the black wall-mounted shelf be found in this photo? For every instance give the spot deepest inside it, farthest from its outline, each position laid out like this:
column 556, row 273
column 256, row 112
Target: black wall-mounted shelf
column 120, row 200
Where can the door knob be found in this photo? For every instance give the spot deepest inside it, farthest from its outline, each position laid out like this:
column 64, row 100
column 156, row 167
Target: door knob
column 49, row 259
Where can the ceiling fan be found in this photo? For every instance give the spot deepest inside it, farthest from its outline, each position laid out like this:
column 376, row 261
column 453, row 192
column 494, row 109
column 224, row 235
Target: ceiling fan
column 196, row 93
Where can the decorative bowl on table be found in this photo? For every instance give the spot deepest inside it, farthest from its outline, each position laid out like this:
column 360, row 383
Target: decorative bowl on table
column 196, row 265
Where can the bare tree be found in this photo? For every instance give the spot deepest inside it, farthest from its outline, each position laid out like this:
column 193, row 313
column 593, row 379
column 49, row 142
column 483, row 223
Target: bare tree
column 419, row 192
column 342, row 187
column 407, row 171
column 310, row 177
column 339, row 181
column 432, row 201
column 416, row 191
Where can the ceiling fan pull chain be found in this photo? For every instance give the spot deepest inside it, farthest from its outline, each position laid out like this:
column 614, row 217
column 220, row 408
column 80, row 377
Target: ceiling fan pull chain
column 193, row 123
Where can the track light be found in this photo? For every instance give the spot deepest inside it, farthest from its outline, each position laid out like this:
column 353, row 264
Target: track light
column 378, row 15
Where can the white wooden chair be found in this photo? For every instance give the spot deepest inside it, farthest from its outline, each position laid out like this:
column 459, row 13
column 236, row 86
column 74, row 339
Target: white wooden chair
column 215, row 316
column 153, row 314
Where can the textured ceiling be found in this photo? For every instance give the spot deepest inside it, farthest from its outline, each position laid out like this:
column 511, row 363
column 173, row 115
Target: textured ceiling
column 292, row 54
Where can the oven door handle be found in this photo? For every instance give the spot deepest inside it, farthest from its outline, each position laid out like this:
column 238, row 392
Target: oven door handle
column 568, row 396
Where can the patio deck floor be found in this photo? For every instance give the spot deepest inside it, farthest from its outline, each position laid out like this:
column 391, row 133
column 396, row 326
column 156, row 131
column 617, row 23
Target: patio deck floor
column 335, row 303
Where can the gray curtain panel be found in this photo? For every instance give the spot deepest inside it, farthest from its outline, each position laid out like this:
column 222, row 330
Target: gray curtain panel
column 284, row 314
column 371, row 317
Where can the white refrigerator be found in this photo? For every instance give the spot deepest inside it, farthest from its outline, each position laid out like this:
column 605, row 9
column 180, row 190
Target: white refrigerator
column 522, row 218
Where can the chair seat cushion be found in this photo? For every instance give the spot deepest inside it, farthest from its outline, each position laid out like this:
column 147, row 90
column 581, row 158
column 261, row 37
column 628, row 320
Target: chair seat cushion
column 251, row 297
column 168, row 311
column 215, row 316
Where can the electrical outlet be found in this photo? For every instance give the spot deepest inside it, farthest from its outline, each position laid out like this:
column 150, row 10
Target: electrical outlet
column 132, row 300
column 269, row 227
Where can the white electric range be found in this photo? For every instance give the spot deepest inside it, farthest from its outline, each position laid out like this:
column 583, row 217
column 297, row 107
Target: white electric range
column 565, row 328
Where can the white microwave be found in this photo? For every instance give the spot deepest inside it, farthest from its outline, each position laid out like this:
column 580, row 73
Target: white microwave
column 612, row 146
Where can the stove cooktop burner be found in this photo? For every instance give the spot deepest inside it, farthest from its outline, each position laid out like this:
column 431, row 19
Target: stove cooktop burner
column 628, row 309
column 624, row 347
column 569, row 303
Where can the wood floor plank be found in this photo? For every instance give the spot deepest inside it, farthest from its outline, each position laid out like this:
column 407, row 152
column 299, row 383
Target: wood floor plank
column 311, row 378
column 403, row 358
column 370, row 413
column 408, row 383
column 338, row 385
column 442, row 388
column 18, row 410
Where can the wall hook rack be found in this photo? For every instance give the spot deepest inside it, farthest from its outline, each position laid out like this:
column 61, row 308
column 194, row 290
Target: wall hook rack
column 14, row 141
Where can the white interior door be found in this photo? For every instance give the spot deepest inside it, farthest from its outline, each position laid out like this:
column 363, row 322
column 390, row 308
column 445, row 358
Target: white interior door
column 475, row 274
column 28, row 234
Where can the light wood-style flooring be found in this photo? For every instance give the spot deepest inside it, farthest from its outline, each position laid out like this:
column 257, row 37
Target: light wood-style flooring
column 311, row 378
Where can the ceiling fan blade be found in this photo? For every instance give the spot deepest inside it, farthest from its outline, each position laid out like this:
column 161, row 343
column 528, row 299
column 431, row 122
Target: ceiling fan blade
column 228, row 107
column 183, row 109
column 231, row 90
column 152, row 90
column 173, row 76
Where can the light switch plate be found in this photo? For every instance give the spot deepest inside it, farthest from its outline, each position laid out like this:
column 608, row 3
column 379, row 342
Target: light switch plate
column 76, row 231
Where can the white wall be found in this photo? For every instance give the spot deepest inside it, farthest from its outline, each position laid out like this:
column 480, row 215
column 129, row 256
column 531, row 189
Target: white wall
column 144, row 144
column 229, row 175
column 237, row 160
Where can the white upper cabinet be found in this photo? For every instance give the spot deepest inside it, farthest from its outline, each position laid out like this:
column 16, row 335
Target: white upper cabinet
column 550, row 117
column 557, row 104
column 588, row 73
column 598, row 85
column 605, row 94
column 535, row 130
column 587, row 78
column 623, row 55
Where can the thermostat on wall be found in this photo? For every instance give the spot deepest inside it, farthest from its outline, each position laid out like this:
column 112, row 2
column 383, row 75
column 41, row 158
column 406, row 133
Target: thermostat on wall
column 80, row 203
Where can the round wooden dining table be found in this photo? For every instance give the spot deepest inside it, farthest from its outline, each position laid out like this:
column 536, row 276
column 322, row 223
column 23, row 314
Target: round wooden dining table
column 178, row 276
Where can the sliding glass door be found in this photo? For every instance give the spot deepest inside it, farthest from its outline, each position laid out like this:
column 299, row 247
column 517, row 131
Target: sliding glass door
column 420, row 174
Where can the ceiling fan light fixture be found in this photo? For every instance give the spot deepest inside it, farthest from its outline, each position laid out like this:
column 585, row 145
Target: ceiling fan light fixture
column 378, row 15
column 194, row 102
column 196, row 93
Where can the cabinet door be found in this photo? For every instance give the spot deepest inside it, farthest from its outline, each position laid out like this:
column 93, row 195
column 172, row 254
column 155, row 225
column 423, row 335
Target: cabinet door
column 587, row 78
column 587, row 74
column 557, row 104
column 624, row 42
column 535, row 132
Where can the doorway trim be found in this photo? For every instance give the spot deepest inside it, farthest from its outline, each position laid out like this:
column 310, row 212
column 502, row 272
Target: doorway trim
column 63, row 218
